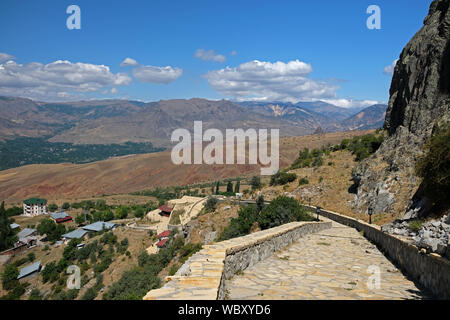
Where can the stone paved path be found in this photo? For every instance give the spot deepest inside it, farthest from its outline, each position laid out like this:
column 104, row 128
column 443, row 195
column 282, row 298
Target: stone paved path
column 331, row 264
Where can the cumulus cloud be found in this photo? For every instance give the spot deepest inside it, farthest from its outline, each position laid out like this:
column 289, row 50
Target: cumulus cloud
column 59, row 80
column 389, row 70
column 351, row 103
column 128, row 62
column 209, row 55
column 5, row 57
column 157, row 74
column 267, row 81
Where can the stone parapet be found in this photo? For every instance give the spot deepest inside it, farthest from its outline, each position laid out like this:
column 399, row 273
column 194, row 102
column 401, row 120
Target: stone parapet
column 429, row 270
column 203, row 276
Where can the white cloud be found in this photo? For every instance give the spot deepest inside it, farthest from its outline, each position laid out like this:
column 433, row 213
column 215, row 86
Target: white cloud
column 267, row 81
column 350, row 103
column 59, row 80
column 157, row 74
column 128, row 62
column 389, row 70
column 114, row 90
column 233, row 53
column 5, row 57
column 209, row 55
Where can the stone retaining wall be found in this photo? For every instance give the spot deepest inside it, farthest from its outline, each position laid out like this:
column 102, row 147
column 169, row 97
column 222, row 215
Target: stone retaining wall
column 430, row 270
column 203, row 276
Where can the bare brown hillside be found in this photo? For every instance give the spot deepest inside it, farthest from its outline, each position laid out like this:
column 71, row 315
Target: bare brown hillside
column 136, row 172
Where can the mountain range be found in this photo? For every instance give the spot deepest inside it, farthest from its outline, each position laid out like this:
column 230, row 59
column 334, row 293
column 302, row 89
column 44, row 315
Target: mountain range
column 119, row 121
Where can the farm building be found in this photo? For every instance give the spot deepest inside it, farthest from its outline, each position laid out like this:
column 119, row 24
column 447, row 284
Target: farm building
column 99, row 226
column 165, row 210
column 75, row 234
column 160, row 244
column 164, row 235
column 29, row 270
column 60, row 217
column 14, row 226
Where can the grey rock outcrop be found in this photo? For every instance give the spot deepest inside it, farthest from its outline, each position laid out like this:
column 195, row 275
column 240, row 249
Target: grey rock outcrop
column 434, row 236
column 419, row 99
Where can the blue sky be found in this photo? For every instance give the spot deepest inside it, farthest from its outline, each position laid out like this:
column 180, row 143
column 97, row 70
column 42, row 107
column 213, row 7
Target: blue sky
column 338, row 56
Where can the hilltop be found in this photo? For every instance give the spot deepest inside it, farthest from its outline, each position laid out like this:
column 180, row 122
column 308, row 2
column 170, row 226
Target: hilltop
column 120, row 121
column 136, row 172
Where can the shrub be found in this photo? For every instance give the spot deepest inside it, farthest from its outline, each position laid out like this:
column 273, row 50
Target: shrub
column 50, row 272
column 173, row 269
column 282, row 210
column 31, row 256
column 9, row 277
column 362, row 146
column 281, row 178
column 242, row 224
column 415, row 225
column 35, row 294
column 308, row 159
column 434, row 166
column 210, row 205
column 66, row 206
column 303, row 181
column 255, row 182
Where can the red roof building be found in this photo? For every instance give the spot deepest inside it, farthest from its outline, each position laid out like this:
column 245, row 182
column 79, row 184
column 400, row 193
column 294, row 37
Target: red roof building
column 60, row 220
column 161, row 243
column 165, row 210
column 164, row 234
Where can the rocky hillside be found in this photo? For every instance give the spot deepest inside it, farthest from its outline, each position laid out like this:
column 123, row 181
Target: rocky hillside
column 119, row 121
column 369, row 118
column 419, row 100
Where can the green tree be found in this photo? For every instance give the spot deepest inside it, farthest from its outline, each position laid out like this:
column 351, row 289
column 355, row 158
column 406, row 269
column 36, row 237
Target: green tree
column 49, row 227
column 210, row 204
column 31, row 256
column 79, row 219
column 9, row 277
column 217, row 187
column 237, row 186
column 35, row 294
column 139, row 212
column 282, row 210
column 255, row 182
column 434, row 166
column 52, row 207
column 66, row 206
column 241, row 225
column 121, row 212
column 7, row 235
column 260, row 203
column 230, row 187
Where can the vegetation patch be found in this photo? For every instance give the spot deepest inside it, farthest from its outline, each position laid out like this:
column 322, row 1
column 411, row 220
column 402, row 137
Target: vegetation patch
column 434, row 166
column 25, row 150
column 362, row 146
column 281, row 178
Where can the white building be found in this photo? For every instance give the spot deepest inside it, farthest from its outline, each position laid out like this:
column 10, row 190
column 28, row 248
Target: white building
column 34, row 207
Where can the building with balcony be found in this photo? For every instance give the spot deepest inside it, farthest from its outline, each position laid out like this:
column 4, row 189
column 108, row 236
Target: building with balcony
column 34, row 207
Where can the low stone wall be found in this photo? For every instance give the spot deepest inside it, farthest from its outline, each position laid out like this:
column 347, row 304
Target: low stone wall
column 430, row 270
column 203, row 276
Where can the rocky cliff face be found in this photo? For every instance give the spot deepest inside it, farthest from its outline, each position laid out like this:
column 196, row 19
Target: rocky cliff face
column 419, row 99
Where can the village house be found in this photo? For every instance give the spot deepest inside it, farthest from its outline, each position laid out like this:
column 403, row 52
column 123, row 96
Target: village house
column 162, row 237
column 60, row 217
column 34, row 207
column 165, row 210
column 32, row 269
